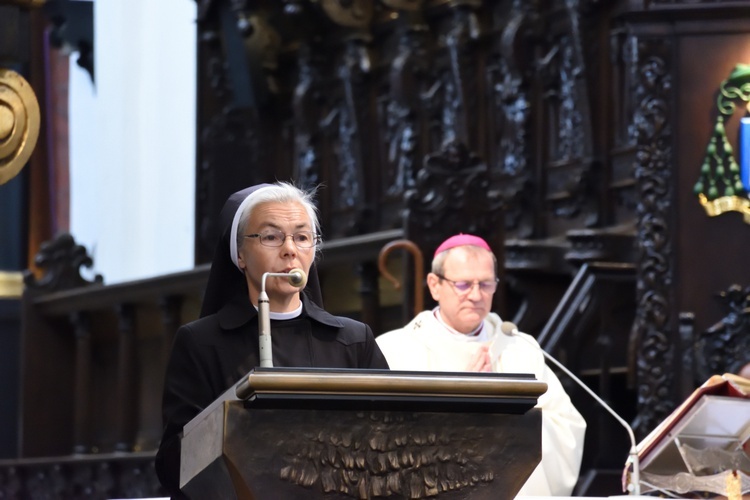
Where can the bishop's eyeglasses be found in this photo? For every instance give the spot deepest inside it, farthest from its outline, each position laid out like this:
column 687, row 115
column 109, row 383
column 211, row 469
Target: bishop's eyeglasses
column 463, row 287
column 276, row 238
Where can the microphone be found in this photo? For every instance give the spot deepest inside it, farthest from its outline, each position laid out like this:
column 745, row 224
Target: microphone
column 634, row 486
column 296, row 278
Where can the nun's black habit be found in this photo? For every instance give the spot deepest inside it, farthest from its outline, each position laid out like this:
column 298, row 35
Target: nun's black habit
column 212, row 353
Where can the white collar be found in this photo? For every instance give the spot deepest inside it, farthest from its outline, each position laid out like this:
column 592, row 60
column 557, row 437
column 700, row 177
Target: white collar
column 474, row 333
column 284, row 315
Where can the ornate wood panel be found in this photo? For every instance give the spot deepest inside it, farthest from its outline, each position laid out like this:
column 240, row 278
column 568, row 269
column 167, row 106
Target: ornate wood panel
column 356, row 95
column 565, row 132
column 568, row 105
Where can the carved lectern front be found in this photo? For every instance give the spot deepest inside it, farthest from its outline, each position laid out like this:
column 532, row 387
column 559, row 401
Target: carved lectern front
column 283, row 433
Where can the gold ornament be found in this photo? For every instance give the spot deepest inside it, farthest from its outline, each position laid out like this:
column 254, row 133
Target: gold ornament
column 19, row 123
column 353, row 14
column 734, row 486
column 30, row 4
column 11, row 285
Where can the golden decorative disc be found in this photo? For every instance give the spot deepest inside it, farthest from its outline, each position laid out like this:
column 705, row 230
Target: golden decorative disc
column 19, row 123
column 11, row 285
column 357, row 14
column 25, row 3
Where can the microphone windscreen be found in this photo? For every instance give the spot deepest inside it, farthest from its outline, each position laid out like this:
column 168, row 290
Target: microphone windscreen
column 508, row 328
column 298, row 278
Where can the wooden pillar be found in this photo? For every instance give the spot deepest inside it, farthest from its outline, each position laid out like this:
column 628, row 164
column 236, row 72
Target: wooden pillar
column 82, row 387
column 170, row 316
column 127, row 402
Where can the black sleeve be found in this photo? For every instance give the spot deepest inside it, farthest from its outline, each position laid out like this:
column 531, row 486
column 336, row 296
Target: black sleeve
column 187, row 392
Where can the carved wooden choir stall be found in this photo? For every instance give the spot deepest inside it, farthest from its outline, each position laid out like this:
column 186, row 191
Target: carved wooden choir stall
column 581, row 139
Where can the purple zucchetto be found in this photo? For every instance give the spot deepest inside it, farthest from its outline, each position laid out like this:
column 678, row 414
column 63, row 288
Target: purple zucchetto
column 460, row 240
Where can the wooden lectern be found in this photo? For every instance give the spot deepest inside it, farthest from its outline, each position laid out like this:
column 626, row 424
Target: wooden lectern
column 284, row 433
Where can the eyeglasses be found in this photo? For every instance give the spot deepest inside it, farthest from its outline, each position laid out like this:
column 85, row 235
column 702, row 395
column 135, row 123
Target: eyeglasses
column 463, row 287
column 274, row 238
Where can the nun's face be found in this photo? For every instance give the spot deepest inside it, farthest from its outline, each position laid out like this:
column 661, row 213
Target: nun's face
column 256, row 258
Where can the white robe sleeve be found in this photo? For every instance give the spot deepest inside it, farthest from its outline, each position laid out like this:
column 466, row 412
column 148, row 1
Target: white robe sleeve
column 424, row 345
column 563, row 427
column 563, row 430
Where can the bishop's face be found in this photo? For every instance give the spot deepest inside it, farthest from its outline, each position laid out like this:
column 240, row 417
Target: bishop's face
column 464, row 311
column 256, row 258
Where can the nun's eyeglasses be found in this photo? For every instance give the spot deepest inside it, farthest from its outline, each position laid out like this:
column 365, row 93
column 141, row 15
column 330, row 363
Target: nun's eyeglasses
column 463, row 287
column 274, row 238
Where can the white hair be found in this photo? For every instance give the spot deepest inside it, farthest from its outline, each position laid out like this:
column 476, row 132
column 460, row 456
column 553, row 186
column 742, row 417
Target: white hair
column 279, row 192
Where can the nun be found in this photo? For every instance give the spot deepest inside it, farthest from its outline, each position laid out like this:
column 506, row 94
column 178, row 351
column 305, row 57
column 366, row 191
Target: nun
column 269, row 228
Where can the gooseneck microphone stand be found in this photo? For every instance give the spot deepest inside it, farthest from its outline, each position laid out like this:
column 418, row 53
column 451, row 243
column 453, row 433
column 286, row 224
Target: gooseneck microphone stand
column 297, row 278
column 634, row 488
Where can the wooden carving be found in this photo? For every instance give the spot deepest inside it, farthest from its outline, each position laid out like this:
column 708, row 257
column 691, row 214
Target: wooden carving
column 510, row 121
column 570, row 179
column 453, row 194
column 653, row 322
column 725, row 347
column 100, row 478
column 306, row 105
column 377, row 459
column 61, row 259
column 408, row 81
column 346, row 127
